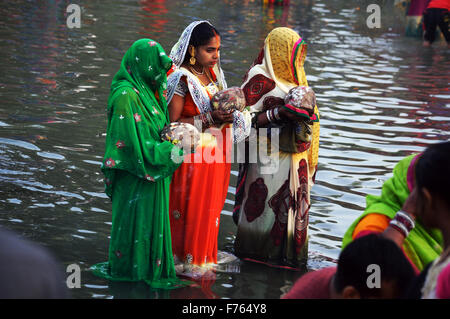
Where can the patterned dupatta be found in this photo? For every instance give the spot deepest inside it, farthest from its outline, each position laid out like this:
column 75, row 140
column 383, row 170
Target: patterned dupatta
column 263, row 85
column 242, row 121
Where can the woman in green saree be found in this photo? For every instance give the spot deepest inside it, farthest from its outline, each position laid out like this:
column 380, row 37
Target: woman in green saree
column 421, row 245
column 138, row 166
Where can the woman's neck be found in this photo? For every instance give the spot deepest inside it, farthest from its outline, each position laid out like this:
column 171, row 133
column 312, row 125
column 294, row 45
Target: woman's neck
column 205, row 77
column 197, row 69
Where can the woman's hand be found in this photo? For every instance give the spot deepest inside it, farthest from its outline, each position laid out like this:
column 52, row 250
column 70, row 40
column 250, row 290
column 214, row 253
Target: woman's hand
column 220, row 116
column 287, row 116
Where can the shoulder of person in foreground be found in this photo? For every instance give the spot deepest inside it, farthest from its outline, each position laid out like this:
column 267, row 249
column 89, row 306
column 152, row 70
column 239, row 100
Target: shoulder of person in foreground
column 28, row 271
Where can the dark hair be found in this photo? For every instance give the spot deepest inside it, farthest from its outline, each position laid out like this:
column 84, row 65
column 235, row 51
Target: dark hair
column 352, row 269
column 201, row 35
column 433, row 170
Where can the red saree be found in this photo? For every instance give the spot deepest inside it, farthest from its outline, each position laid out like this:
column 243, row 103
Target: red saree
column 197, row 194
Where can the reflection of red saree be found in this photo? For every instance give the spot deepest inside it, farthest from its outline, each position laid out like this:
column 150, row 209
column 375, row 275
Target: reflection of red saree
column 197, row 194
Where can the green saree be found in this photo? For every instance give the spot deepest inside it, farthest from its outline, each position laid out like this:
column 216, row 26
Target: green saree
column 138, row 166
column 422, row 245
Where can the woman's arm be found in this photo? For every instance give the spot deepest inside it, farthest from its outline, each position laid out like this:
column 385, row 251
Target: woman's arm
column 379, row 223
column 176, row 106
column 409, row 207
column 284, row 116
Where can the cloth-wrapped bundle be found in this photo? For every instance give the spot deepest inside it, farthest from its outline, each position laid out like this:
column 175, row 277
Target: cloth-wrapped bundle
column 181, row 134
column 301, row 101
column 229, row 99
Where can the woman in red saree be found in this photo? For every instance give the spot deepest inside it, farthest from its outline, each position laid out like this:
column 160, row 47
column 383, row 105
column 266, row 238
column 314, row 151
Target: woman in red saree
column 199, row 187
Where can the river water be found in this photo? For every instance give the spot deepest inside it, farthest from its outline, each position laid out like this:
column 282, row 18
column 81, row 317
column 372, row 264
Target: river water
column 381, row 97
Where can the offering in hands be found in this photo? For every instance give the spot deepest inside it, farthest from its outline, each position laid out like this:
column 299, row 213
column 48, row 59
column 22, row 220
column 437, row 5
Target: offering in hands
column 183, row 135
column 230, row 99
column 301, row 101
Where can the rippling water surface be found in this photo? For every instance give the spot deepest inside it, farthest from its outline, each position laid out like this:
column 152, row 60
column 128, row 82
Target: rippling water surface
column 381, row 97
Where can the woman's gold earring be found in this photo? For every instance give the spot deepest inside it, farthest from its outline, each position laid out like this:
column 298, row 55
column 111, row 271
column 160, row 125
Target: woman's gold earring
column 192, row 59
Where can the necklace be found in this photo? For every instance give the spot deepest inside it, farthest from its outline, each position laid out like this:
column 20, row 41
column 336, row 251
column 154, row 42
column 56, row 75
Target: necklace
column 212, row 81
column 196, row 72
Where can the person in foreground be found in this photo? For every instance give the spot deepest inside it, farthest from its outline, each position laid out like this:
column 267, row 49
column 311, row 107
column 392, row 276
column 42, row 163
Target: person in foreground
column 28, row 270
column 431, row 202
column 138, row 166
column 369, row 267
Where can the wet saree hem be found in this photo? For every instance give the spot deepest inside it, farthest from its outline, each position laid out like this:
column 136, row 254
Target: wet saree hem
column 297, row 263
column 102, row 270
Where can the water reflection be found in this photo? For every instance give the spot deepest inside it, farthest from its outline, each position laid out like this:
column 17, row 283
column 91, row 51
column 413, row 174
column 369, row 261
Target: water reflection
column 154, row 16
column 381, row 96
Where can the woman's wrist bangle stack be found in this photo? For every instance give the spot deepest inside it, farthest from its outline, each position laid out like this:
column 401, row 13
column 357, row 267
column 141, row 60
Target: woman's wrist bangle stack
column 276, row 113
column 273, row 115
column 268, row 116
column 403, row 223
